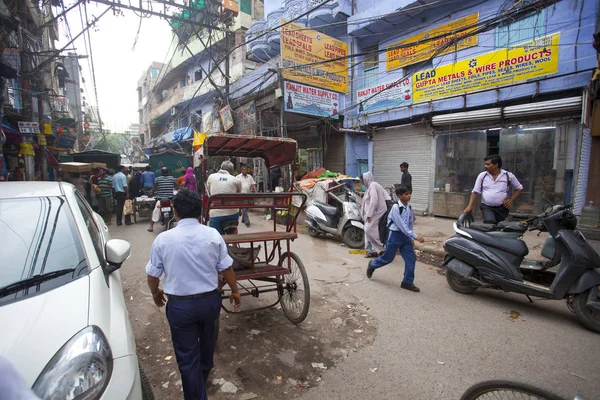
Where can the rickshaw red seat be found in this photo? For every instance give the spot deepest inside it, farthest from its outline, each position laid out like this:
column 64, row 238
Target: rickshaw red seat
column 259, row 237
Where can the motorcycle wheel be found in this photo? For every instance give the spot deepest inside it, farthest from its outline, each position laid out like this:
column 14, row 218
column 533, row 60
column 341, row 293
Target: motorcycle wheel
column 458, row 283
column 588, row 317
column 354, row 237
column 313, row 232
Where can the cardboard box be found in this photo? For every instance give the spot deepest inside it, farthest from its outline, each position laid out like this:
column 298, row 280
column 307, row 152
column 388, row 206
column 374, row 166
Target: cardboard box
column 75, row 167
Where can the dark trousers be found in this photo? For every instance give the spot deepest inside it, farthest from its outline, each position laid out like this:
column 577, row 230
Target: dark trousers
column 493, row 214
column 120, row 197
column 192, row 323
column 398, row 241
column 245, row 218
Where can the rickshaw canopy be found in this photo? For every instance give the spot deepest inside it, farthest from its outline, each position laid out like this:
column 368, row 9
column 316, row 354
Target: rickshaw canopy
column 276, row 152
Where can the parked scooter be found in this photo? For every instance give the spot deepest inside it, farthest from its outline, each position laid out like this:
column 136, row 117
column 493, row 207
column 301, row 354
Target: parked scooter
column 488, row 260
column 342, row 221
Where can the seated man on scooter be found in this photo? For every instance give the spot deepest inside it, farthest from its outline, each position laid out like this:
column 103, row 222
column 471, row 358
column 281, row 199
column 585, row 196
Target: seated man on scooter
column 164, row 187
column 223, row 182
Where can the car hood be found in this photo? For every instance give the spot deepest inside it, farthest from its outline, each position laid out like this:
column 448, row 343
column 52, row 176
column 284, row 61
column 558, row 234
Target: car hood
column 35, row 328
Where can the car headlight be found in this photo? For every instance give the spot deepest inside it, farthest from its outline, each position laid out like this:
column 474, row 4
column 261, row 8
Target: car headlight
column 80, row 370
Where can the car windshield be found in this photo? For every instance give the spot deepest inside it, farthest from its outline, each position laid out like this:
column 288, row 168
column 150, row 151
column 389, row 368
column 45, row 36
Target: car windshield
column 39, row 236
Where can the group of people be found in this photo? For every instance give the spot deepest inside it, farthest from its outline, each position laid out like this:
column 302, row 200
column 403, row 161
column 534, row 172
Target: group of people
column 497, row 187
column 106, row 191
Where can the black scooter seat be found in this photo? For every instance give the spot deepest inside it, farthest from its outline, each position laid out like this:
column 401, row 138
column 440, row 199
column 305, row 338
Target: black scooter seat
column 512, row 226
column 512, row 246
column 484, row 227
column 327, row 209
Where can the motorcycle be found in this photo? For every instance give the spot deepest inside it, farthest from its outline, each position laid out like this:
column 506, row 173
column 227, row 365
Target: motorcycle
column 485, row 256
column 342, row 220
column 166, row 213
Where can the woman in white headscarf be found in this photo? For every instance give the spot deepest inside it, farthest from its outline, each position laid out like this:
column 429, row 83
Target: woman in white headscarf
column 373, row 207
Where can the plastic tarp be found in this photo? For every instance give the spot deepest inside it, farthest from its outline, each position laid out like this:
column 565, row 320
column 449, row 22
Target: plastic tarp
column 183, row 134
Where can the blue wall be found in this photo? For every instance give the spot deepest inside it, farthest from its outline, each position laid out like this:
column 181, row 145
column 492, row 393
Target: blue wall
column 357, row 147
column 574, row 19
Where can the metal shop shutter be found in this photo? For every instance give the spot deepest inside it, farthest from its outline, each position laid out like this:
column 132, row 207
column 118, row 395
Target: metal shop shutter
column 413, row 145
column 582, row 175
column 334, row 158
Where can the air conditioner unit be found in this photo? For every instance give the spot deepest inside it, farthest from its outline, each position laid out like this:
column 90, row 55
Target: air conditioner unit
column 173, row 111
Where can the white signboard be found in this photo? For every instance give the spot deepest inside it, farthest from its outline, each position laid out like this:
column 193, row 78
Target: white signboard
column 304, row 99
column 386, row 95
column 29, row 127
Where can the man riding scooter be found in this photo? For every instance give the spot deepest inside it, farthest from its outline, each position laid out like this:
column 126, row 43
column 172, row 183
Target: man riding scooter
column 223, row 182
column 163, row 188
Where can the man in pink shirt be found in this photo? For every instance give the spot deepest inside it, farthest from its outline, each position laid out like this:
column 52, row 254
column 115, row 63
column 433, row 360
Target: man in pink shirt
column 495, row 186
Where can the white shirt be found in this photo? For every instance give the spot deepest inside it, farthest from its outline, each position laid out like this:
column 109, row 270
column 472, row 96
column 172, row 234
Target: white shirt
column 190, row 256
column 247, row 182
column 223, row 182
column 493, row 192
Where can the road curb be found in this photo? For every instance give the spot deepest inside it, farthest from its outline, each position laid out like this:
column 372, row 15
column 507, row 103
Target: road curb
column 425, row 248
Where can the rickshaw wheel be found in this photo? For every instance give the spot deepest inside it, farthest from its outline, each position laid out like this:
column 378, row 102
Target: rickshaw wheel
column 294, row 292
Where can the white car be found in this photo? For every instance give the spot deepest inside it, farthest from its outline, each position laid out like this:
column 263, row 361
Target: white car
column 65, row 326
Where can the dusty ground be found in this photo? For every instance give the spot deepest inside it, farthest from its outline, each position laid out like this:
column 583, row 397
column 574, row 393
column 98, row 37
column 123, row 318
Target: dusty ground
column 261, row 353
column 429, row 345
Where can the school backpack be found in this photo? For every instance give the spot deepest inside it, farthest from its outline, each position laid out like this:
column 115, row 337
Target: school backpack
column 384, row 229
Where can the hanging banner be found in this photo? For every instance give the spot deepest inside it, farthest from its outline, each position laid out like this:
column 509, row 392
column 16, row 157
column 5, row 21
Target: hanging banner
column 384, row 96
column 245, row 119
column 300, row 46
column 226, row 117
column 398, row 58
column 521, row 62
column 308, row 100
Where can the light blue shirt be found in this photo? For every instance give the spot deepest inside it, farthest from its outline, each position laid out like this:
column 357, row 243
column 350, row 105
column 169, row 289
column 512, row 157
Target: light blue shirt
column 190, row 256
column 402, row 222
column 148, row 179
column 119, row 182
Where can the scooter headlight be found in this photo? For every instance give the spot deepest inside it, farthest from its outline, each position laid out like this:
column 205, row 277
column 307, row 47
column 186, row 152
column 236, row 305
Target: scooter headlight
column 80, row 370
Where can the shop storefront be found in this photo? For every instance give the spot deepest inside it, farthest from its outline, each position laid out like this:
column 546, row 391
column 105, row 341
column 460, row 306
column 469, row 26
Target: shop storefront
column 542, row 155
column 412, row 144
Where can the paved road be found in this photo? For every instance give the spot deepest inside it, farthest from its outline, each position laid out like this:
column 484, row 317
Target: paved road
column 428, row 345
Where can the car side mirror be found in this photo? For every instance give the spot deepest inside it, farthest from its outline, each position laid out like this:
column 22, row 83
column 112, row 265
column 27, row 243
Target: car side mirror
column 117, row 251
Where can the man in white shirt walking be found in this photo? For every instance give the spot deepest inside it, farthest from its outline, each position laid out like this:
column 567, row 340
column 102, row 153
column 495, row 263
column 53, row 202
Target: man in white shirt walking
column 495, row 186
column 222, row 182
column 248, row 186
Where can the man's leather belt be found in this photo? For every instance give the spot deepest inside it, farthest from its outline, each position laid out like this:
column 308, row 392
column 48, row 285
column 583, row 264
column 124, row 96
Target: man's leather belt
column 191, row 296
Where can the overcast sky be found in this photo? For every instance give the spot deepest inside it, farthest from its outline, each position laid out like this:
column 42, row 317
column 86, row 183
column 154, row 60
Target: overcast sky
column 118, row 66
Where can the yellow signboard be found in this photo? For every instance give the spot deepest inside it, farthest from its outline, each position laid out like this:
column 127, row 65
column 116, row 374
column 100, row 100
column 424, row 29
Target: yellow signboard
column 301, row 46
column 400, row 57
column 521, row 62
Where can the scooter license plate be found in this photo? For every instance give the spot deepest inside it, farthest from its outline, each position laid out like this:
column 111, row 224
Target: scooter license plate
column 165, row 209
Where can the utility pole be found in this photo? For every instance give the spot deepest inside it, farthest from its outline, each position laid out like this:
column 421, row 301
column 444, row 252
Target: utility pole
column 227, row 65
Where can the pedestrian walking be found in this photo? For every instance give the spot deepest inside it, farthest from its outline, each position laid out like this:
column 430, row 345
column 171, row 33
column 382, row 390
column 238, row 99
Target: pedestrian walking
column 121, row 189
column 374, row 206
column 148, row 178
column 222, row 182
column 406, row 178
column 190, row 256
column 189, row 180
column 105, row 196
column 495, row 186
column 401, row 237
column 248, row 186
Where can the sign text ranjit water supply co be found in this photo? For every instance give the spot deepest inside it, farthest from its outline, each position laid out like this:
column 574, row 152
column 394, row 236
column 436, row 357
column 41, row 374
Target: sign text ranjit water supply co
column 503, row 67
column 301, row 46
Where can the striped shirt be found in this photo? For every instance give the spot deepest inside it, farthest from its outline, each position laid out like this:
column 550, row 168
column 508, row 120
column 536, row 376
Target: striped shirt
column 105, row 185
column 165, row 187
column 402, row 222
